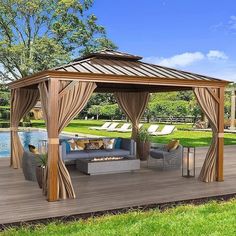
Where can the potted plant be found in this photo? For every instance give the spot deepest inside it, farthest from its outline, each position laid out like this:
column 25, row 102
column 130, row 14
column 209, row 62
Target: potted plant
column 143, row 144
column 40, row 169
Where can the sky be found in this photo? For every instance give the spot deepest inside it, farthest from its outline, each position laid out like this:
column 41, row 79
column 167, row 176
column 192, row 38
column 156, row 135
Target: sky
column 192, row 35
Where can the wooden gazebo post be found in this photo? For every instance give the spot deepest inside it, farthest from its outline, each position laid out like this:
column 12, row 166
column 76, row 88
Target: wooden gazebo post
column 53, row 139
column 220, row 146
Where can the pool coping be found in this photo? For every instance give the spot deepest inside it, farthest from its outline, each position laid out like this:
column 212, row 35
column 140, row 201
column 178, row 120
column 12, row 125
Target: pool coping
column 28, row 129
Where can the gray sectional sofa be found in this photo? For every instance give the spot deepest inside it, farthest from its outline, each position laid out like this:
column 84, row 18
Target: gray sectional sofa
column 126, row 148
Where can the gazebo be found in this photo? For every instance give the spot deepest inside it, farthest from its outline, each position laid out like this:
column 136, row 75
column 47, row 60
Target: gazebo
column 65, row 90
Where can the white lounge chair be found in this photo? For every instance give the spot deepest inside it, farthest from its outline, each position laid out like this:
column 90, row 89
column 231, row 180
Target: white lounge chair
column 129, row 130
column 168, row 129
column 112, row 127
column 123, row 128
column 152, row 128
column 103, row 127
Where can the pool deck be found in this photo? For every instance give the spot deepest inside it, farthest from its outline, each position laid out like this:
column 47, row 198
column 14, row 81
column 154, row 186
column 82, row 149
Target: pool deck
column 22, row 201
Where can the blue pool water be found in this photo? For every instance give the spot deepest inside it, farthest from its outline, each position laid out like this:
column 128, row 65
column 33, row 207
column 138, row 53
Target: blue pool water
column 32, row 137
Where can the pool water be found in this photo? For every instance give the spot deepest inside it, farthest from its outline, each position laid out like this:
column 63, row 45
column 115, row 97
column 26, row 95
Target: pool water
column 32, row 137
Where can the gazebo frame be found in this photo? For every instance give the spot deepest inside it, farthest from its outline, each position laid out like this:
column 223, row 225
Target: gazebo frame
column 118, row 83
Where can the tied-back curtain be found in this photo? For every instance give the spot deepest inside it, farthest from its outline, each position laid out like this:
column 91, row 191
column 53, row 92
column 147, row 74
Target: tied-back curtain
column 210, row 108
column 73, row 96
column 133, row 105
column 22, row 101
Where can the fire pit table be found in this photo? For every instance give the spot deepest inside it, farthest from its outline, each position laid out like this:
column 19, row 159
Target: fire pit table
column 107, row 165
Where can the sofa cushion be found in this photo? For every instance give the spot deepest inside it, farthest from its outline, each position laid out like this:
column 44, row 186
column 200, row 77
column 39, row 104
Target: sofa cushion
column 117, row 143
column 73, row 145
column 77, row 155
column 33, row 149
column 92, row 146
column 67, row 146
column 81, row 144
column 157, row 154
column 108, row 143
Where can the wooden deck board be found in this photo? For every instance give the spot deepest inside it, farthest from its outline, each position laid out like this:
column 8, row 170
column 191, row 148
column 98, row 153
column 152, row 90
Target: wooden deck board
column 21, row 200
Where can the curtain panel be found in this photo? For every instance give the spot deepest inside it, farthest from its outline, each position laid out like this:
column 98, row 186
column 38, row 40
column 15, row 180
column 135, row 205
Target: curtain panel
column 73, row 96
column 133, row 105
column 22, row 101
column 210, row 107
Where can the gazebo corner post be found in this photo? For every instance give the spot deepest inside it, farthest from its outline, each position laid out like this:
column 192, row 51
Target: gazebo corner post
column 53, row 140
column 232, row 118
column 11, row 130
column 220, row 147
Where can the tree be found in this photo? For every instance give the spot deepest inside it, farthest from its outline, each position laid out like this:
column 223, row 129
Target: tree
column 39, row 34
column 111, row 111
column 95, row 110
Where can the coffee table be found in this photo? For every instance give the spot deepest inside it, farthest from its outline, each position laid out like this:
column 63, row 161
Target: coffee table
column 107, row 165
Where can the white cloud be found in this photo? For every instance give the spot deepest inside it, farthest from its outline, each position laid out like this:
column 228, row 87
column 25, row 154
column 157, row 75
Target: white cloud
column 179, row 60
column 187, row 59
column 182, row 60
column 213, row 63
column 215, row 54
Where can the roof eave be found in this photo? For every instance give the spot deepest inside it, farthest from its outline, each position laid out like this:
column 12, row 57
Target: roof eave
column 106, row 78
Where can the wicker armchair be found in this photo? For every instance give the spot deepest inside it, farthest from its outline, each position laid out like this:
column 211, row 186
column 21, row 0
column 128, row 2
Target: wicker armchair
column 165, row 159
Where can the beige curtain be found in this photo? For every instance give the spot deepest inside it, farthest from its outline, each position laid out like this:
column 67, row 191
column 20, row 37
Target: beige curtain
column 22, row 101
column 210, row 108
column 133, row 105
column 73, row 97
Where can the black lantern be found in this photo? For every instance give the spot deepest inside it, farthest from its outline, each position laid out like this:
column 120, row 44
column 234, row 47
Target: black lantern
column 188, row 162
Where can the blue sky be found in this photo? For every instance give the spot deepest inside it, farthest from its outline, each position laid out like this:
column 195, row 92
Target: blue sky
column 193, row 35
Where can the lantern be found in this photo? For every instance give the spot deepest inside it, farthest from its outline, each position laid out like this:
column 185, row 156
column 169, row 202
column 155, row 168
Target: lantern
column 43, row 146
column 188, row 162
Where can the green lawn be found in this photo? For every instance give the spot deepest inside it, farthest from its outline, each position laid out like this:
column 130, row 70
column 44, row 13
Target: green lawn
column 194, row 138
column 207, row 219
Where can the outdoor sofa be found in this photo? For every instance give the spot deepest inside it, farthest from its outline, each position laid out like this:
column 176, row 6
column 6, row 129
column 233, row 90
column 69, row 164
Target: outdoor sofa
column 122, row 147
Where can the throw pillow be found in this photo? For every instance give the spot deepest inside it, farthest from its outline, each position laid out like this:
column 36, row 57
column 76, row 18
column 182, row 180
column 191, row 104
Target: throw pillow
column 92, row 146
column 73, row 145
column 98, row 142
column 108, row 143
column 81, row 144
column 172, row 145
column 33, row 149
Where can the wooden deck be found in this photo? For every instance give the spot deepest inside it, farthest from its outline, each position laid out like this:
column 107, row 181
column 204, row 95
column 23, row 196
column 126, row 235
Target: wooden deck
column 21, row 200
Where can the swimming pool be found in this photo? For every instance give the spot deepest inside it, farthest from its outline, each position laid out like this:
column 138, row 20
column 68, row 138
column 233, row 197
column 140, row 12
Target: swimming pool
column 26, row 138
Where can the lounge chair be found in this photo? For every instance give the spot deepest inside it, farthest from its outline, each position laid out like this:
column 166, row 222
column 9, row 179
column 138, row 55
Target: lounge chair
column 152, row 128
column 112, row 127
column 123, row 128
column 166, row 159
column 129, row 130
column 103, row 127
column 168, row 129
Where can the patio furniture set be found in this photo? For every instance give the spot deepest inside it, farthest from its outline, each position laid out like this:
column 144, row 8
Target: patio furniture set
column 93, row 158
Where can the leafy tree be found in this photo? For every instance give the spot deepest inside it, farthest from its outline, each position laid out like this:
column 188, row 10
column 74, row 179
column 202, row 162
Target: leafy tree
column 111, row 111
column 95, row 110
column 101, row 98
column 39, row 34
column 170, row 108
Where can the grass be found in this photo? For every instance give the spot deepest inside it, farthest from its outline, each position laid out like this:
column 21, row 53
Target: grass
column 208, row 219
column 188, row 138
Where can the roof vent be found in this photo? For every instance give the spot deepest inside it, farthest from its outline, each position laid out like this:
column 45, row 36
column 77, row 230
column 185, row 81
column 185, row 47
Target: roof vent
column 110, row 54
